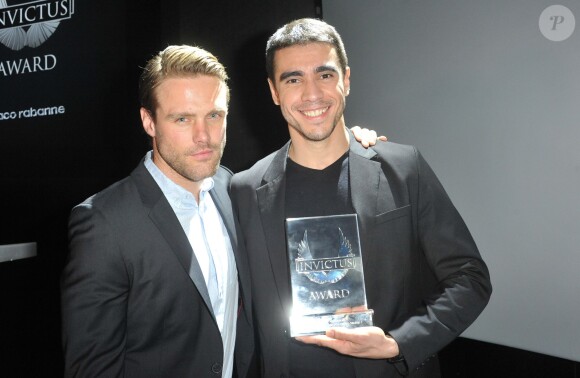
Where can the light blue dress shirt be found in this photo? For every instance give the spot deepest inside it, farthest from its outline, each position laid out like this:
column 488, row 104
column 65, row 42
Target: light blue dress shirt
column 211, row 244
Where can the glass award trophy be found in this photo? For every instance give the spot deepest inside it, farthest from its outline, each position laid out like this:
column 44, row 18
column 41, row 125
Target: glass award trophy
column 326, row 274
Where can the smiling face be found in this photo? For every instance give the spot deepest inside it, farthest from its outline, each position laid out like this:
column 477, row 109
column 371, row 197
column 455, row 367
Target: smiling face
column 188, row 128
column 310, row 89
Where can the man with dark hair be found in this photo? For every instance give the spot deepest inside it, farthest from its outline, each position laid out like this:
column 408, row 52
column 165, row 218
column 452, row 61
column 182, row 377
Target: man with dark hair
column 425, row 279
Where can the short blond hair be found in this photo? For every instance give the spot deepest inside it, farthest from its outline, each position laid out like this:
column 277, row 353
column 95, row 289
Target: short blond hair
column 177, row 61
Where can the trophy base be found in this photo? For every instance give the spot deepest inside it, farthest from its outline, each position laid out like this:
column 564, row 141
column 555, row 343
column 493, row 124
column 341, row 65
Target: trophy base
column 317, row 324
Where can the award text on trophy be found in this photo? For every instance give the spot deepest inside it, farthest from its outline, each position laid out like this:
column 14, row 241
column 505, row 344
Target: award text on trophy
column 326, row 274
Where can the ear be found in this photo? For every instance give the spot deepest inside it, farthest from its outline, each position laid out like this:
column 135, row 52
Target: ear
column 346, row 81
column 148, row 122
column 274, row 92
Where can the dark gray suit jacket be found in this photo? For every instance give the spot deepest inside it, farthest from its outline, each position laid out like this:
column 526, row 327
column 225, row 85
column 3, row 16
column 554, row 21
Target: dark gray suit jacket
column 129, row 306
column 425, row 278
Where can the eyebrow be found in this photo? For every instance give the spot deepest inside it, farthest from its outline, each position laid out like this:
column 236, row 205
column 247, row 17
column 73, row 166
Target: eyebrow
column 189, row 114
column 286, row 75
column 326, row 68
column 179, row 115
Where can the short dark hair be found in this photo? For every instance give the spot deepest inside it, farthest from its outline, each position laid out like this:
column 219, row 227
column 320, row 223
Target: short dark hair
column 303, row 32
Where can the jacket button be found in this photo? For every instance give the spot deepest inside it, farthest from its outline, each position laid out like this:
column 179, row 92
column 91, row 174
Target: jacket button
column 285, row 332
column 216, row 368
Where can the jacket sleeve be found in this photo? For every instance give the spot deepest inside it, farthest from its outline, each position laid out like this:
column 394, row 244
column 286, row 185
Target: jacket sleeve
column 463, row 284
column 94, row 294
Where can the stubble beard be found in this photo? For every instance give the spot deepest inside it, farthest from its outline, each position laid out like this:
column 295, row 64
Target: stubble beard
column 195, row 172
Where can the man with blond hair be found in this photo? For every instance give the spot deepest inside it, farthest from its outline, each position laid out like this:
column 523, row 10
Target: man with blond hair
column 156, row 284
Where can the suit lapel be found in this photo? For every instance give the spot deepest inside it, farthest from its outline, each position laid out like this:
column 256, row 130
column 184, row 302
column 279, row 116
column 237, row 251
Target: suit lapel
column 271, row 198
column 164, row 218
column 371, row 194
column 223, row 203
column 370, row 191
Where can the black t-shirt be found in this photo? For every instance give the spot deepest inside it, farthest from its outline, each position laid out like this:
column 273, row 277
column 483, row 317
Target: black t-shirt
column 312, row 192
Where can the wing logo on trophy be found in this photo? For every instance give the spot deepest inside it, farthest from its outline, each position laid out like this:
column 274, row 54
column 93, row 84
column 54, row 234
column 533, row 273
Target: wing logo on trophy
column 326, row 270
column 326, row 274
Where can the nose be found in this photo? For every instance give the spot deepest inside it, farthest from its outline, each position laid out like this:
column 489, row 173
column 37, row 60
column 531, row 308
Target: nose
column 312, row 91
column 200, row 132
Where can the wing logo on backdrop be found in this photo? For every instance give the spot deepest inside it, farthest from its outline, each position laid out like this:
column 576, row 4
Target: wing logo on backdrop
column 32, row 23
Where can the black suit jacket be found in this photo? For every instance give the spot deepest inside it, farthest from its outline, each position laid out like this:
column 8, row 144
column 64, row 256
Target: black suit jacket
column 425, row 278
column 129, row 305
